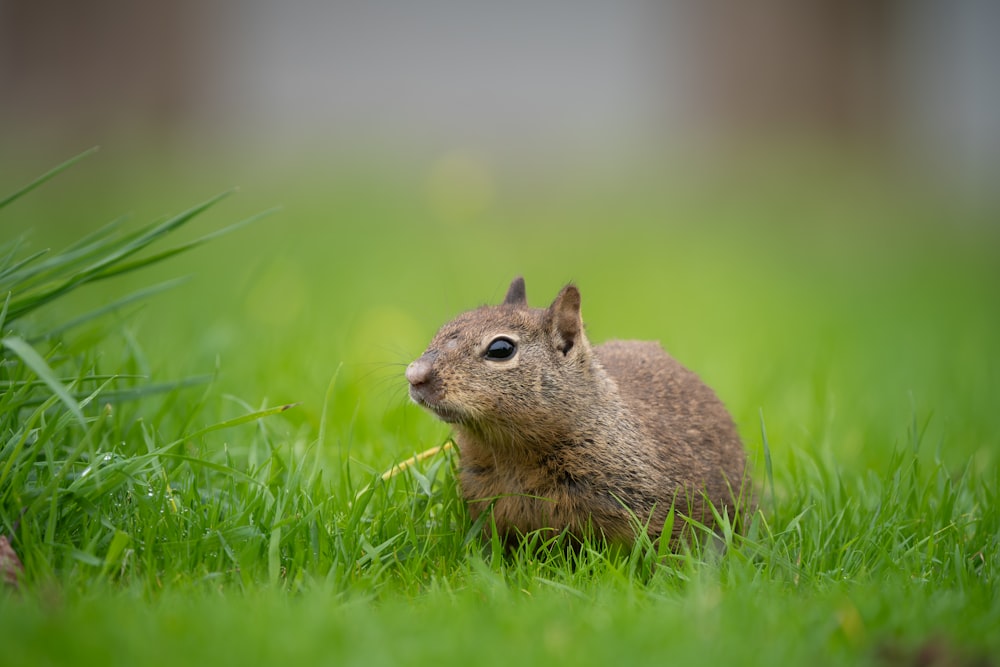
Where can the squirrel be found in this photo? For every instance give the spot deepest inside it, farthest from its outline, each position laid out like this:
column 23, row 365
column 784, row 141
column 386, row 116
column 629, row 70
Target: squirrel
column 555, row 433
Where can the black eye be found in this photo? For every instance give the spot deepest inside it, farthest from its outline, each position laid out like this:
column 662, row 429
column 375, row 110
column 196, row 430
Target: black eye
column 500, row 349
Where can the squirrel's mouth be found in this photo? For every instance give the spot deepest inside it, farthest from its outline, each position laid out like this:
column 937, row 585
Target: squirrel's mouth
column 444, row 413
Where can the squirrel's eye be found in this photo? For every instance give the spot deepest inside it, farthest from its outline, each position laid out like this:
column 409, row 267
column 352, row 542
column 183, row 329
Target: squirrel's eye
column 500, row 349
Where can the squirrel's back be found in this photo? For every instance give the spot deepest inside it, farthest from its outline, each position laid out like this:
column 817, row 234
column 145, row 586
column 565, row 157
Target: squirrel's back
column 694, row 434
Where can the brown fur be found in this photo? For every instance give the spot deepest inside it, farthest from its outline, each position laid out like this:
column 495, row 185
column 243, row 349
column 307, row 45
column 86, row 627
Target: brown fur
column 568, row 436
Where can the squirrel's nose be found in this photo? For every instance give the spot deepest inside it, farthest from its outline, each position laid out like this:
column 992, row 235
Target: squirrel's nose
column 419, row 372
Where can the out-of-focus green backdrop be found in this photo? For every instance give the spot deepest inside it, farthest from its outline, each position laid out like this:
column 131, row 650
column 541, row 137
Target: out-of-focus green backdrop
column 799, row 203
column 825, row 298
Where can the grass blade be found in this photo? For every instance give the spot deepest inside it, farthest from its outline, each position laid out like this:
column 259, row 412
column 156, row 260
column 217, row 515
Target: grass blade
column 36, row 363
column 133, row 394
column 98, row 234
column 274, row 556
column 102, row 268
column 51, row 173
column 148, row 236
column 3, row 312
column 138, row 295
column 236, row 421
column 10, row 274
column 166, row 254
column 26, row 277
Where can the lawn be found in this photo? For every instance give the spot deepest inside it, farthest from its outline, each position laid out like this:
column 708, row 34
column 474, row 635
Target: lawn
column 195, row 475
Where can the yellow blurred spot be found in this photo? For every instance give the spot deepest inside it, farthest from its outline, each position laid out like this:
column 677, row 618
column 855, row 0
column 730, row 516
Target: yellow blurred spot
column 850, row 623
column 557, row 638
column 460, row 187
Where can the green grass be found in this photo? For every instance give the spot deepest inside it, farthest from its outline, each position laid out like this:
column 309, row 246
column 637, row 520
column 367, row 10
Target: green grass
column 169, row 505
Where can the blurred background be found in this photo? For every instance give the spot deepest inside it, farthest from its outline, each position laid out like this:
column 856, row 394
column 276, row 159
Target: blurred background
column 518, row 81
column 778, row 189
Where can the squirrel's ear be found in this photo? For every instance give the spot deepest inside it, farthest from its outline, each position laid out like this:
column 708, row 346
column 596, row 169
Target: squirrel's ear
column 516, row 296
column 566, row 320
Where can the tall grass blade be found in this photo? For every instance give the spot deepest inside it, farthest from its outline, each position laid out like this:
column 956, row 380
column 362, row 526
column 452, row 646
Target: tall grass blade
column 166, row 254
column 10, row 275
column 3, row 312
column 101, row 269
column 36, row 363
column 139, row 295
column 51, row 173
column 769, row 469
column 28, row 274
column 115, row 251
column 134, row 393
column 229, row 423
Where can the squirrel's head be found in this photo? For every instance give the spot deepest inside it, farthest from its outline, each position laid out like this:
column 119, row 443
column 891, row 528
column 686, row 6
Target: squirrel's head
column 506, row 366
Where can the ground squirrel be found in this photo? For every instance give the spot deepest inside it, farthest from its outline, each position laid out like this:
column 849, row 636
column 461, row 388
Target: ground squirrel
column 555, row 433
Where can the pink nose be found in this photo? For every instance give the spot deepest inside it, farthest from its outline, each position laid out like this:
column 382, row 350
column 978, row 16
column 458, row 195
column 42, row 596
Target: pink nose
column 419, row 371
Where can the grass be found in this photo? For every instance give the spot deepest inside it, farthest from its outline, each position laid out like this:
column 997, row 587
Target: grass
column 237, row 513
